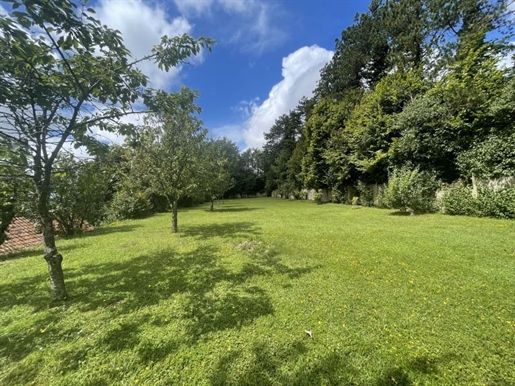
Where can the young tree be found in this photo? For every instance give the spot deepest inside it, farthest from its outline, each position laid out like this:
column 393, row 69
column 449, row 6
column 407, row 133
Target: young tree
column 63, row 73
column 219, row 164
column 169, row 155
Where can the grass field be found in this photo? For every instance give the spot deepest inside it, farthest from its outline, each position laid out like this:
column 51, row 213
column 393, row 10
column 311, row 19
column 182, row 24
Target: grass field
column 389, row 299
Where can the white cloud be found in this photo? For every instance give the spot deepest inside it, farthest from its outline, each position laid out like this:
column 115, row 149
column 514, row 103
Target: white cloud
column 301, row 71
column 247, row 108
column 193, row 7
column 251, row 24
column 142, row 26
column 507, row 61
column 231, row 132
column 239, row 6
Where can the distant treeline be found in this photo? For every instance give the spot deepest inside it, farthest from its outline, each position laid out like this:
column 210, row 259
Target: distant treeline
column 413, row 84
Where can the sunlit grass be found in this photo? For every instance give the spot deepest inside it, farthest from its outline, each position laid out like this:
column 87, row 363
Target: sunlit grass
column 390, row 300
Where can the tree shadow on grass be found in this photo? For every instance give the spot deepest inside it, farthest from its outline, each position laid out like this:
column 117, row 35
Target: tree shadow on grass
column 232, row 210
column 210, row 297
column 21, row 254
column 401, row 213
column 403, row 375
column 224, row 230
column 268, row 364
column 107, row 230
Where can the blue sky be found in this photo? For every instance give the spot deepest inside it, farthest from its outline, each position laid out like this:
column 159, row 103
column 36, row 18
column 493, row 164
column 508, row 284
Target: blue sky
column 268, row 53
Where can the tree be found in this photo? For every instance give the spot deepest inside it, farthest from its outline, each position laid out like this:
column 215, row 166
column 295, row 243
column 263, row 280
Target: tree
column 280, row 143
column 219, row 164
column 326, row 162
column 59, row 83
column 80, row 191
column 7, row 204
column 494, row 157
column 452, row 116
column 360, row 57
column 169, row 156
column 407, row 46
column 370, row 129
column 249, row 175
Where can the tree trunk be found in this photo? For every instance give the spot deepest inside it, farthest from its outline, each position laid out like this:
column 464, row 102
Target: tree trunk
column 174, row 216
column 52, row 257
column 212, row 204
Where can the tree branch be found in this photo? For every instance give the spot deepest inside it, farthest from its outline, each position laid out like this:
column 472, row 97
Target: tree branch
column 65, row 60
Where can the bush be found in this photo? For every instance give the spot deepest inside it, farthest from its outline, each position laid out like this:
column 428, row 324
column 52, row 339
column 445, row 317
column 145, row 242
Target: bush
column 411, row 189
column 366, row 195
column 458, row 200
column 498, row 204
column 128, row 205
column 319, row 196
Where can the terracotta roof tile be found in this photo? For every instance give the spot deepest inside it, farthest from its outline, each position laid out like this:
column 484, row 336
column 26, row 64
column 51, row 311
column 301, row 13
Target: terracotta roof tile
column 21, row 234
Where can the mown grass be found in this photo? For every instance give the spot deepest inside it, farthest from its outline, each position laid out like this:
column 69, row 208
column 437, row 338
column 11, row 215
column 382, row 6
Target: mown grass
column 390, row 300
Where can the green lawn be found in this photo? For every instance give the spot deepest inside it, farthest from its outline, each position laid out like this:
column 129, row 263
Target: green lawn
column 390, row 300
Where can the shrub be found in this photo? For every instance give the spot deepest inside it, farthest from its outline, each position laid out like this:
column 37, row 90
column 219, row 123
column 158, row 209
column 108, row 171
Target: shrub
column 411, row 189
column 319, row 196
column 128, row 205
column 458, row 200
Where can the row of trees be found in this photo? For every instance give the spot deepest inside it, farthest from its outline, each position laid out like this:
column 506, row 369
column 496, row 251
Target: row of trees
column 64, row 74
column 413, row 84
column 167, row 159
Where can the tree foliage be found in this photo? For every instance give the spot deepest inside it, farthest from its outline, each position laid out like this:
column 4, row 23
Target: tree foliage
column 169, row 154
column 433, row 97
column 63, row 74
column 219, row 164
column 410, row 189
column 80, row 191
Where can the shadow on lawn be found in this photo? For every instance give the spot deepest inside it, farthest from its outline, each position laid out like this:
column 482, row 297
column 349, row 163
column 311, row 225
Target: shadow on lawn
column 402, row 375
column 21, row 254
column 267, row 365
column 232, row 210
column 334, row 368
column 400, row 213
column 213, row 297
column 108, row 230
column 210, row 297
column 224, row 230
column 38, row 251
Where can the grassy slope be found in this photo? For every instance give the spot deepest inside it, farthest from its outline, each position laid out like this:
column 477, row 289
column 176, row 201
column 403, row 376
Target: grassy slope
column 389, row 299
